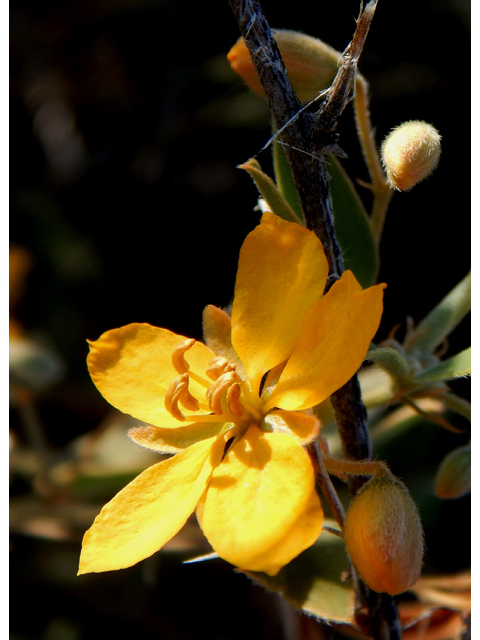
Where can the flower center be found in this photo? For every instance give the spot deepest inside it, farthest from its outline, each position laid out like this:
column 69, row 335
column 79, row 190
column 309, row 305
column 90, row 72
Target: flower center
column 227, row 396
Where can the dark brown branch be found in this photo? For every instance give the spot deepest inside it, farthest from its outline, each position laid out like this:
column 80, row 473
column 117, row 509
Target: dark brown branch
column 304, row 153
column 307, row 138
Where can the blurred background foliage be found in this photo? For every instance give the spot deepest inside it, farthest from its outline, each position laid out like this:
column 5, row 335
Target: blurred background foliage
column 127, row 125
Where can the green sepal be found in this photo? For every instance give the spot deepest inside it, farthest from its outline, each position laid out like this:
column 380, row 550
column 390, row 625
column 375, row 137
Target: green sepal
column 442, row 320
column 391, row 361
column 284, row 179
column 313, row 581
column 269, row 191
column 352, row 225
column 458, row 366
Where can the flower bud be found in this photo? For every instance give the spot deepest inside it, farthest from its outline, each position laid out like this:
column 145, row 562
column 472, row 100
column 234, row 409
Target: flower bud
column 384, row 536
column 453, row 477
column 311, row 64
column 410, row 153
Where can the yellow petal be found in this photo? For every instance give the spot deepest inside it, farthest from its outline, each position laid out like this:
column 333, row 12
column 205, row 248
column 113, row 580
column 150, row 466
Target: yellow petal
column 336, row 334
column 261, row 509
column 282, row 270
column 217, row 333
column 174, row 440
column 149, row 511
column 132, row 368
column 301, row 426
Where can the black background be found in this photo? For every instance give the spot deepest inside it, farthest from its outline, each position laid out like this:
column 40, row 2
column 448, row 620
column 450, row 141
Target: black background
column 146, row 225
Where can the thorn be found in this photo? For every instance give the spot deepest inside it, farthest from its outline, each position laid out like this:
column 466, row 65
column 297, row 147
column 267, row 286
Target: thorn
column 207, row 556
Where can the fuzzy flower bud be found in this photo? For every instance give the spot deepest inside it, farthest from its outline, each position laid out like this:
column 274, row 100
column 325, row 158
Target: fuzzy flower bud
column 311, row 64
column 453, row 477
column 384, row 536
column 410, row 153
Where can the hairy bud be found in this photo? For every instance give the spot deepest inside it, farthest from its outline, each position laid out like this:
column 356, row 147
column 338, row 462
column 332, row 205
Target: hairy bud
column 410, row 153
column 453, row 477
column 311, row 64
column 384, row 536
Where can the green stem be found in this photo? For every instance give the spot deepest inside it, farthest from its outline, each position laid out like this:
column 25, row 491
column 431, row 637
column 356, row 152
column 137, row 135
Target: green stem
column 358, row 468
column 382, row 192
column 457, row 404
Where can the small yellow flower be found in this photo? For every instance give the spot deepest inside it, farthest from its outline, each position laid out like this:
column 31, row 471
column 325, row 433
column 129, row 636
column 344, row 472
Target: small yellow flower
column 234, row 411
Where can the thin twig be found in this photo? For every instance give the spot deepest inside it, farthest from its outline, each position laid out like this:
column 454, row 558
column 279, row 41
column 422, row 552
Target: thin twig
column 36, row 437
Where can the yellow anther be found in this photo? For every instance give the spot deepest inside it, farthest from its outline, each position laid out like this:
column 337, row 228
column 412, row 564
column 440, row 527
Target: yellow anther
column 178, row 392
column 172, row 396
column 217, row 367
column 233, row 399
column 178, row 357
column 189, row 401
column 218, row 389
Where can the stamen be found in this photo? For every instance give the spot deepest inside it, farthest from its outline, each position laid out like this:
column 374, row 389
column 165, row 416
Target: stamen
column 233, row 399
column 189, row 401
column 218, row 388
column 178, row 392
column 217, row 367
column 172, row 396
column 178, row 358
column 181, row 365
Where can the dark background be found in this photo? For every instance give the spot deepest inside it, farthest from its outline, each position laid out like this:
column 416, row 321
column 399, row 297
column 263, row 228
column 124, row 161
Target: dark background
column 126, row 128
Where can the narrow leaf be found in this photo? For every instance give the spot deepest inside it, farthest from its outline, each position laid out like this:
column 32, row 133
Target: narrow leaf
column 313, row 581
column 284, row 178
column 442, row 320
column 352, row 225
column 458, row 366
column 269, row 191
column 457, row 404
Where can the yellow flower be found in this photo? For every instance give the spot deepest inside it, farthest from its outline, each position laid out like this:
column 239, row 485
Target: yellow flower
column 236, row 410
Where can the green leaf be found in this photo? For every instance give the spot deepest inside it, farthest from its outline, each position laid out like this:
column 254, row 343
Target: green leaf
column 457, row 404
column 453, row 476
column 352, row 225
column 313, row 581
column 284, row 179
column 389, row 427
column 268, row 190
column 377, row 387
column 458, row 366
column 390, row 360
column 442, row 320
